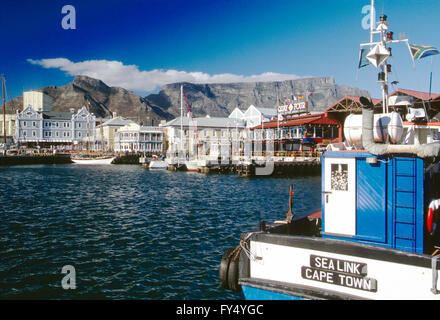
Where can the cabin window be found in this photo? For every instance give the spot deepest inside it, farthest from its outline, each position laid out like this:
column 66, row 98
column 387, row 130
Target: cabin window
column 339, row 177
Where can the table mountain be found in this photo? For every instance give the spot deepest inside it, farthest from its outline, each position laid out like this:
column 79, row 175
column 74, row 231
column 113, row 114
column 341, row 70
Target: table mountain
column 205, row 99
column 220, row 99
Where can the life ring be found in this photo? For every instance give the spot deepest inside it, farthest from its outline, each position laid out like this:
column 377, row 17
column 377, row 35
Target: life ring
column 430, row 217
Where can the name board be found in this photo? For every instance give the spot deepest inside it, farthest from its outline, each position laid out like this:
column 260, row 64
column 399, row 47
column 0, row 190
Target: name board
column 292, row 108
column 339, row 272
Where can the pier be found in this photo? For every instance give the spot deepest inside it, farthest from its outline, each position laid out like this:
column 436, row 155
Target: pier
column 293, row 164
column 35, row 159
column 127, row 159
column 289, row 168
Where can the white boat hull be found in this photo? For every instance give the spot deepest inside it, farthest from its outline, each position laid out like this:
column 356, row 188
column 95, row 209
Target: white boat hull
column 356, row 272
column 158, row 164
column 94, row 161
column 191, row 165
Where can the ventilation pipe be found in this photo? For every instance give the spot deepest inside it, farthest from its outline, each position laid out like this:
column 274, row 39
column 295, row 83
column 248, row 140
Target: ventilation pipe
column 421, row 150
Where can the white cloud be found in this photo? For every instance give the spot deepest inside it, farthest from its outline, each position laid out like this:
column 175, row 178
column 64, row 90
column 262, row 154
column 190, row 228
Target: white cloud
column 115, row 73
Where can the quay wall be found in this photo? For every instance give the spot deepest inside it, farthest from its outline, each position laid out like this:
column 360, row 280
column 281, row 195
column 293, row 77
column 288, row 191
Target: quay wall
column 35, row 159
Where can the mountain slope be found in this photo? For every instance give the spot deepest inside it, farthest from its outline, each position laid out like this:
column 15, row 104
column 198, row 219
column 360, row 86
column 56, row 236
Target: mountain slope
column 205, row 99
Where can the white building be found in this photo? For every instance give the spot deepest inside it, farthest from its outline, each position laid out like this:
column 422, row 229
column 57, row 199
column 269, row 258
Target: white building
column 105, row 133
column 10, row 127
column 136, row 138
column 256, row 116
column 199, row 137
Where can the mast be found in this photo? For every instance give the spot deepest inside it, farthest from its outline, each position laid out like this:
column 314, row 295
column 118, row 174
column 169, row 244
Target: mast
column 379, row 53
column 181, row 120
column 372, row 20
column 102, row 137
column 4, row 108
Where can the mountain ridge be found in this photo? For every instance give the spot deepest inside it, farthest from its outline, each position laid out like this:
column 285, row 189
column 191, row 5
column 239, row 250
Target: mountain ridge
column 214, row 99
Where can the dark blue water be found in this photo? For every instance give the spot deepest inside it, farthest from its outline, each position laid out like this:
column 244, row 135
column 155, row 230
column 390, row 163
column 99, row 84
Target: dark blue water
column 130, row 233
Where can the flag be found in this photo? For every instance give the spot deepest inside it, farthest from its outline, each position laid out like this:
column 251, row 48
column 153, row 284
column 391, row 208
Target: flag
column 420, row 51
column 301, row 97
column 310, row 93
column 363, row 61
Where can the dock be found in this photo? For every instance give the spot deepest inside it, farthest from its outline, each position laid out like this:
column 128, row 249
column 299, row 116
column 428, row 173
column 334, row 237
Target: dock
column 35, row 159
column 299, row 165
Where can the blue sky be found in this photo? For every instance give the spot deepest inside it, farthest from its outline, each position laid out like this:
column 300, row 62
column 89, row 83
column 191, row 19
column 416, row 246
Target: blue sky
column 141, row 45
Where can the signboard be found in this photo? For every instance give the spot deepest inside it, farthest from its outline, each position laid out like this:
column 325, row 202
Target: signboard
column 299, row 107
column 339, row 272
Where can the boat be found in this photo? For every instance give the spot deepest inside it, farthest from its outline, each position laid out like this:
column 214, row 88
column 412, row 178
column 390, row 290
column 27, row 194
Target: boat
column 376, row 234
column 156, row 163
column 93, row 161
column 192, row 165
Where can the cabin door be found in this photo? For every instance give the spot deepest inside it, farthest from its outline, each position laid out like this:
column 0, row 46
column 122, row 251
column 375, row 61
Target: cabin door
column 339, row 196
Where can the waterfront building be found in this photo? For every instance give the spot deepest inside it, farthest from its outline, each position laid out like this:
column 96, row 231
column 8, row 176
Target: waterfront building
column 236, row 114
column 11, row 118
column 39, row 125
column 254, row 116
column 214, row 136
column 105, row 133
column 298, row 133
column 136, row 138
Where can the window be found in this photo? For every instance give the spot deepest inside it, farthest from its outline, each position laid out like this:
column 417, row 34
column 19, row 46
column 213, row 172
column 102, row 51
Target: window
column 24, row 123
column 339, row 177
column 33, row 123
column 34, row 133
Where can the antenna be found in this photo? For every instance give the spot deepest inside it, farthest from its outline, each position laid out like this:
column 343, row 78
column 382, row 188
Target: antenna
column 181, row 121
column 4, row 108
column 379, row 52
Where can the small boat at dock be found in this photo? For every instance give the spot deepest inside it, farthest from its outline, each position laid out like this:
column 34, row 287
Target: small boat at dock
column 93, row 161
column 192, row 165
column 156, row 163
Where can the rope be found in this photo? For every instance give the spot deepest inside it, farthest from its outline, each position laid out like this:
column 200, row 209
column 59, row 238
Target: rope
column 243, row 246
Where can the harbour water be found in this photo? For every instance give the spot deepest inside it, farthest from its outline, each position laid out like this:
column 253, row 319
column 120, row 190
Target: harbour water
column 130, row 233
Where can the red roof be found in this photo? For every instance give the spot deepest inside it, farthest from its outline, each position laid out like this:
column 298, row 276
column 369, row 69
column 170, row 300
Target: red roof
column 416, row 94
column 433, row 123
column 320, row 118
column 353, row 98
